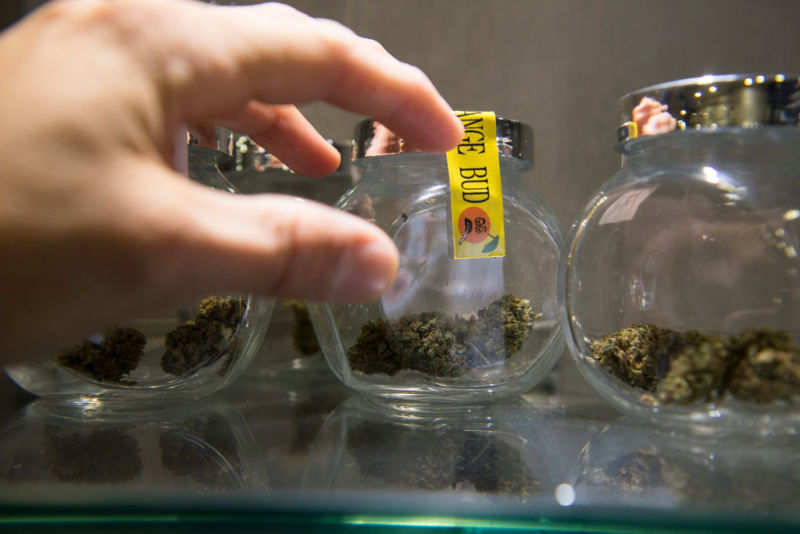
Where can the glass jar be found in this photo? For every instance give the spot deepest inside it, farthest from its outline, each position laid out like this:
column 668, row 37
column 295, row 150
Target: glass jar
column 679, row 284
column 174, row 354
column 449, row 329
column 290, row 347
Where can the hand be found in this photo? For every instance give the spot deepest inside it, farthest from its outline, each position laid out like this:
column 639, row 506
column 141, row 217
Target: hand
column 95, row 227
column 653, row 118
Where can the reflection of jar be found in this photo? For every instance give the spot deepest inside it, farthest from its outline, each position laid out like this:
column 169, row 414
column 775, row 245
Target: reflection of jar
column 181, row 353
column 369, row 445
column 449, row 328
column 290, row 343
column 206, row 449
column 656, row 468
column 679, row 287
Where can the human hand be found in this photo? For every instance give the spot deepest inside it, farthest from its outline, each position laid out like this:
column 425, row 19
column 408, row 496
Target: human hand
column 95, row 227
column 653, row 118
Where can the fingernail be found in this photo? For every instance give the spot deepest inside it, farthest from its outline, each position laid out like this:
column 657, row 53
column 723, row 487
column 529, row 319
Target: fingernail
column 364, row 272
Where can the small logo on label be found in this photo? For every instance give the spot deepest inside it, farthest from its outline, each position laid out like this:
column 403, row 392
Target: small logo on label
column 473, row 225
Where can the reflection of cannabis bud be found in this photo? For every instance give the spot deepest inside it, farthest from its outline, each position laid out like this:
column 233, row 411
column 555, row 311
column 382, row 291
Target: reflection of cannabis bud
column 442, row 459
column 441, row 345
column 757, row 366
column 203, row 450
column 303, row 336
column 106, row 358
column 199, row 340
column 101, row 456
column 632, row 473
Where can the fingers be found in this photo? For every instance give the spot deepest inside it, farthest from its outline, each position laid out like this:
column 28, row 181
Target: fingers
column 272, row 54
column 266, row 244
column 288, row 135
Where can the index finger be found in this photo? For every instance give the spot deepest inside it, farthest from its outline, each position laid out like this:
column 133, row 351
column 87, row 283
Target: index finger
column 218, row 58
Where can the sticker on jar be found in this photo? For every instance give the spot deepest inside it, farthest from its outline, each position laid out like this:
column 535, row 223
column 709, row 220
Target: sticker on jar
column 476, row 196
column 625, row 206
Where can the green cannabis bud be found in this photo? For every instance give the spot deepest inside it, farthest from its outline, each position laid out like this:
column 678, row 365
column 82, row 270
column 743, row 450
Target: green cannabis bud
column 198, row 340
column 634, row 354
column 759, row 365
column 441, row 345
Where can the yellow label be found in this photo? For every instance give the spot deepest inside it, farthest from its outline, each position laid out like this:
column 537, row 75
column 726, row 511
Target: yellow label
column 476, row 196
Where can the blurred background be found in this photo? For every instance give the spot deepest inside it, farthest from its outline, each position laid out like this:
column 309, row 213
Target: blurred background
column 558, row 65
column 561, row 65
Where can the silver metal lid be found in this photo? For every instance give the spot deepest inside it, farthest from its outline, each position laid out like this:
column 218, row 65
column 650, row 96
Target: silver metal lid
column 247, row 156
column 371, row 138
column 710, row 102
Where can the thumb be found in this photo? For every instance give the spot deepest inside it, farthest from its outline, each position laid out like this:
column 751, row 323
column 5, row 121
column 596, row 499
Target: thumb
column 273, row 245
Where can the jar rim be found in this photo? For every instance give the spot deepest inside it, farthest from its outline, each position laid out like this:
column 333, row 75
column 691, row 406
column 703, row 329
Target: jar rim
column 710, row 102
column 371, row 138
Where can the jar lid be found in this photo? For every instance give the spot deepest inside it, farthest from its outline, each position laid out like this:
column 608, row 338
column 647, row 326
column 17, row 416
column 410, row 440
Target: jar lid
column 371, row 138
column 710, row 102
column 249, row 157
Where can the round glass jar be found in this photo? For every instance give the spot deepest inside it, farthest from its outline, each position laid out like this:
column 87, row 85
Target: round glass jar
column 174, row 354
column 679, row 284
column 290, row 343
column 449, row 329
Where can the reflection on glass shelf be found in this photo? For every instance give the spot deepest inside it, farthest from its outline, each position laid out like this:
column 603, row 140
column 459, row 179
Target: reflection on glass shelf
column 647, row 466
column 199, row 450
column 368, row 444
column 316, row 458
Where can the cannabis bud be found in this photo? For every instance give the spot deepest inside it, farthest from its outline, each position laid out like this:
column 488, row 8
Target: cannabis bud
column 759, row 365
column 197, row 341
column 442, row 345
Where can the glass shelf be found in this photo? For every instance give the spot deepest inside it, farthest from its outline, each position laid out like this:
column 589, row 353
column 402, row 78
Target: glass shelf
column 310, row 456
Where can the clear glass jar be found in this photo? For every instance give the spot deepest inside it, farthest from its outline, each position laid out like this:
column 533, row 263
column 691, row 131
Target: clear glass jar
column 290, row 345
column 449, row 329
column 175, row 354
column 679, row 284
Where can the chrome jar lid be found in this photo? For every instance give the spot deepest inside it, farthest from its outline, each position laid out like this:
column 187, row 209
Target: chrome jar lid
column 710, row 102
column 371, row 138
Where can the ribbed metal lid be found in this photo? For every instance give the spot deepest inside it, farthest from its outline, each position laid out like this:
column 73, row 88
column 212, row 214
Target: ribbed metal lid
column 371, row 138
column 710, row 102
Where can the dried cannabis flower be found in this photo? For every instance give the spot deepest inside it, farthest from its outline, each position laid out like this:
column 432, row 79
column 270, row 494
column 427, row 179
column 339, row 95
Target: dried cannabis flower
column 697, row 371
column 303, row 336
column 197, row 341
column 443, row 346
column 633, row 354
column 108, row 358
column 769, row 369
column 757, row 366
